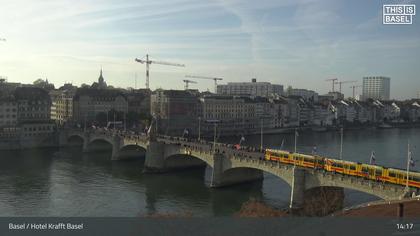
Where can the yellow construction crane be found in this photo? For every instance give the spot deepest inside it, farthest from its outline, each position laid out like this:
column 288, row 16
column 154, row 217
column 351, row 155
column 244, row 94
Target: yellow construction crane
column 354, row 87
column 206, row 77
column 333, row 82
column 187, row 82
column 148, row 62
column 345, row 82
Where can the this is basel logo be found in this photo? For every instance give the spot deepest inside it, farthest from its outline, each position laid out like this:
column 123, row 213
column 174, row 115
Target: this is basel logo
column 398, row 14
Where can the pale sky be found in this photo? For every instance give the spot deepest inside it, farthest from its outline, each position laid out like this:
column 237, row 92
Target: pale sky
column 291, row 42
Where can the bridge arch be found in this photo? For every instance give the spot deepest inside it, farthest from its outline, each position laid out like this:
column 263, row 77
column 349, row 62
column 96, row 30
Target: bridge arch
column 183, row 160
column 364, row 189
column 133, row 147
column 131, row 151
column 76, row 139
column 249, row 170
column 99, row 144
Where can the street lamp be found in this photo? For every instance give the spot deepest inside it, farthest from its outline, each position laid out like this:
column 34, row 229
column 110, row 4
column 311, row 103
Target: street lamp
column 125, row 122
column 84, row 128
column 409, row 160
column 214, row 139
column 114, row 122
column 262, row 130
column 199, row 128
column 341, row 143
column 214, row 122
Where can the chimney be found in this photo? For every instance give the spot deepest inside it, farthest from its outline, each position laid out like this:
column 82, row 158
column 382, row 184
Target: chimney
column 254, row 80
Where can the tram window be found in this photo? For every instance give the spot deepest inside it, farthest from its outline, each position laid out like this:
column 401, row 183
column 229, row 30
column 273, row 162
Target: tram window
column 364, row 169
column 378, row 171
column 352, row 167
column 308, row 159
column 415, row 178
column 392, row 174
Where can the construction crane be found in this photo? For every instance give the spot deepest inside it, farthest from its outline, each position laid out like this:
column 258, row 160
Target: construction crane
column 333, row 83
column 187, row 82
column 354, row 87
column 148, row 62
column 345, row 82
column 206, row 77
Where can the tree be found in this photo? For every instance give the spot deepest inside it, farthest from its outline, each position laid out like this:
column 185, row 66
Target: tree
column 39, row 82
column 289, row 89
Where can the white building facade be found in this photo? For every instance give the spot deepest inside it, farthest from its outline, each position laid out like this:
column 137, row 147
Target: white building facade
column 376, row 87
column 254, row 89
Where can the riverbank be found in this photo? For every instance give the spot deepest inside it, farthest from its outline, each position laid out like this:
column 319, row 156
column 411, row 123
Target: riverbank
column 321, row 129
column 409, row 208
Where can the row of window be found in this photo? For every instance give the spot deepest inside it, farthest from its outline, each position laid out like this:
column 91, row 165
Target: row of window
column 8, row 110
column 39, row 128
column 33, row 108
column 7, row 116
column 30, row 115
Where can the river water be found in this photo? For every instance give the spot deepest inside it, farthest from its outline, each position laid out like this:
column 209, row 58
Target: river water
column 71, row 183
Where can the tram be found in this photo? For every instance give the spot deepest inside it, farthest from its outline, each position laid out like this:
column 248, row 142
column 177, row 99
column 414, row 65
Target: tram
column 368, row 171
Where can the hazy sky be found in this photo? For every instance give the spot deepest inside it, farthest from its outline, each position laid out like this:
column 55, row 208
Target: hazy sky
column 292, row 42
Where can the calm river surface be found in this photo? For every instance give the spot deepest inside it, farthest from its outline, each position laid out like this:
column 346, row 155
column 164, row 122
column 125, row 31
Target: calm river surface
column 71, row 183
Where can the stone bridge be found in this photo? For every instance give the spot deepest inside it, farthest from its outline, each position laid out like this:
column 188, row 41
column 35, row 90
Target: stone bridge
column 230, row 166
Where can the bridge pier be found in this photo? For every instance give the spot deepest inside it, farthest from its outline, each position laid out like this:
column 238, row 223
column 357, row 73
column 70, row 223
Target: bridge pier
column 155, row 158
column 85, row 147
column 62, row 138
column 298, row 189
column 313, row 201
column 116, row 145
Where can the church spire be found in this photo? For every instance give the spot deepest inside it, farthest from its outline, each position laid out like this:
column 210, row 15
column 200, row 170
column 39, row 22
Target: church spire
column 101, row 81
column 101, row 78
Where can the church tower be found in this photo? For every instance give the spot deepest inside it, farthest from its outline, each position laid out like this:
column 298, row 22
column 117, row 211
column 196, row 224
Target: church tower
column 101, row 81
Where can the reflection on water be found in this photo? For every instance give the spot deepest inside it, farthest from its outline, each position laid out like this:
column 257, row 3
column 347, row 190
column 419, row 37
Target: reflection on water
column 67, row 182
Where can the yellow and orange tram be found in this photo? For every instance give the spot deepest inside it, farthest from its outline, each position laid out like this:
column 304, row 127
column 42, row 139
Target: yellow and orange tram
column 374, row 172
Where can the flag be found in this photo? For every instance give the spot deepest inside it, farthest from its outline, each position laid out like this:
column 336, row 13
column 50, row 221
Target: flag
column 185, row 132
column 282, row 144
column 314, row 149
column 412, row 161
column 332, row 108
column 149, row 130
column 372, row 158
column 240, row 141
column 345, row 103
